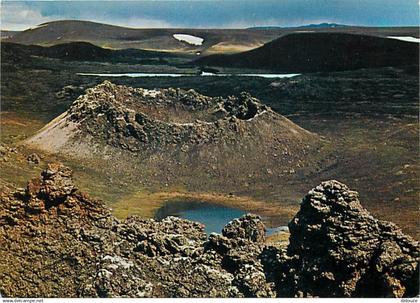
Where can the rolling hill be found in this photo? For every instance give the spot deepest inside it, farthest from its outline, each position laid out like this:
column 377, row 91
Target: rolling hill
column 215, row 40
column 314, row 52
column 78, row 51
column 110, row 36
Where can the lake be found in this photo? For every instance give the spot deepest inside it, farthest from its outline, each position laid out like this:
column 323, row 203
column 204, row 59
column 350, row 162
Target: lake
column 204, row 74
column 213, row 216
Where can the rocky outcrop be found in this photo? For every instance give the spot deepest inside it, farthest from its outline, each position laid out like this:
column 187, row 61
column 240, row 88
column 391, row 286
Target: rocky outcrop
column 337, row 249
column 57, row 242
column 240, row 245
column 248, row 227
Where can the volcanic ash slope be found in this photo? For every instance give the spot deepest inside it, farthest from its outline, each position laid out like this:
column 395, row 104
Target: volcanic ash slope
column 173, row 130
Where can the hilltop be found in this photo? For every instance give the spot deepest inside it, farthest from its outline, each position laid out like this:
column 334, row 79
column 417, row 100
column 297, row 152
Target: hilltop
column 320, row 52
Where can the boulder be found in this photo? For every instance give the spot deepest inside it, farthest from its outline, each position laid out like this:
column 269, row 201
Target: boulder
column 56, row 182
column 34, row 158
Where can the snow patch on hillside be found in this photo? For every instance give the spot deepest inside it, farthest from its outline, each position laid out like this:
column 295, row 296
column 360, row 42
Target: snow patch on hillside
column 190, row 39
column 405, row 38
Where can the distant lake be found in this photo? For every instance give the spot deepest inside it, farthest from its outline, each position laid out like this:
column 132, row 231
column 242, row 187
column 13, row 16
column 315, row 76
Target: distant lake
column 213, row 216
column 204, row 74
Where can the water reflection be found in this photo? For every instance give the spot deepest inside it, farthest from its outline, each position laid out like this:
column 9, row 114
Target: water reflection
column 204, row 74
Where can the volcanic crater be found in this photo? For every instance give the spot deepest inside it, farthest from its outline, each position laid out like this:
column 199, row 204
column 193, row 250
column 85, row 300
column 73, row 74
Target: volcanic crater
column 170, row 133
column 136, row 119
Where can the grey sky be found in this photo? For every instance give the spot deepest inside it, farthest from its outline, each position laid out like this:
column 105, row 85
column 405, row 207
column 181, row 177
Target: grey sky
column 18, row 15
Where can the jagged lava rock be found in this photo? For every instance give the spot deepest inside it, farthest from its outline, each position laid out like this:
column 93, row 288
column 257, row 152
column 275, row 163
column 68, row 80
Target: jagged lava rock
column 58, row 242
column 247, row 227
column 241, row 244
column 337, row 249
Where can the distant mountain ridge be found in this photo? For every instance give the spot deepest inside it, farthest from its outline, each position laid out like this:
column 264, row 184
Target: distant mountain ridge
column 216, row 41
column 323, row 25
column 318, row 25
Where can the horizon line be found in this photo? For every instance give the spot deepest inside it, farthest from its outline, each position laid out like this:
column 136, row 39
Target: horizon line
column 221, row 28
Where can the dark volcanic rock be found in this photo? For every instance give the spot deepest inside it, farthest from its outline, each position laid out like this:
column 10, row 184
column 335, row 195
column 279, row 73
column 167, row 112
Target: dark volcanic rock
column 135, row 118
column 33, row 158
column 338, row 249
column 58, row 242
column 56, row 182
column 248, row 227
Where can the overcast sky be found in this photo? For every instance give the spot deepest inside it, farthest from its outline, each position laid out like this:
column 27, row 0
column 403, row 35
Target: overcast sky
column 19, row 15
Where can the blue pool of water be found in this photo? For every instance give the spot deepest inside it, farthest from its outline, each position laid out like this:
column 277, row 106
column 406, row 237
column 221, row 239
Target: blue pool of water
column 213, row 216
